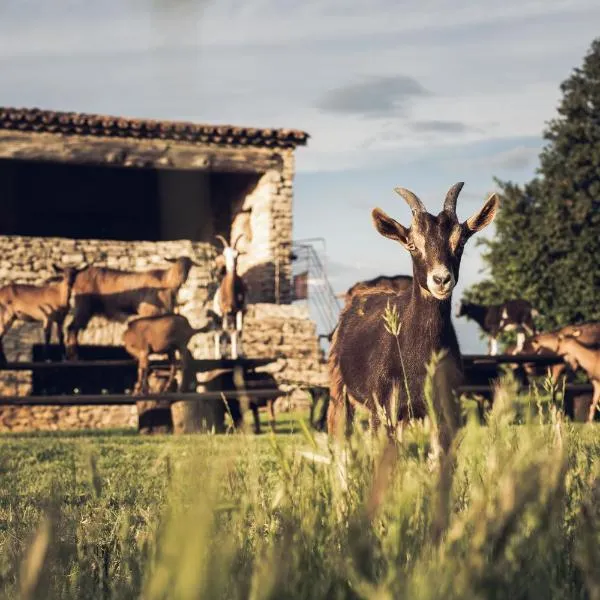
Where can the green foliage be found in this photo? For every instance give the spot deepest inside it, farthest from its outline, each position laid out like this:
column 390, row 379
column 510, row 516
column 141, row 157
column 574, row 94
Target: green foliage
column 547, row 243
column 256, row 517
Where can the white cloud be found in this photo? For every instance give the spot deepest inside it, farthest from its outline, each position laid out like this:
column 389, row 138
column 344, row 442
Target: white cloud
column 493, row 70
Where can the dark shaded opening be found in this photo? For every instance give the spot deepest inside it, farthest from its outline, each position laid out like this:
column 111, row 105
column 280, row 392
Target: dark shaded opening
column 87, row 380
column 77, row 201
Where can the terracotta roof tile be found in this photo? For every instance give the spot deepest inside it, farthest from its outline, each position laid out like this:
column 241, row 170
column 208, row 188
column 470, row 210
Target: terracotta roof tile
column 34, row 119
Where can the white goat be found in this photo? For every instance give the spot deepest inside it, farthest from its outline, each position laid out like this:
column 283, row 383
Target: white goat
column 229, row 301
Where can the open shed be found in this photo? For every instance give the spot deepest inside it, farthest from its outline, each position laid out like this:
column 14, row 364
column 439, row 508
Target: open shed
column 127, row 193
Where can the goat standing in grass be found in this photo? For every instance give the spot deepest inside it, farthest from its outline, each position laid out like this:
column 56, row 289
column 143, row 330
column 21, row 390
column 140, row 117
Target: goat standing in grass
column 47, row 304
column 229, row 302
column 118, row 295
column 575, row 355
column 369, row 362
column 162, row 334
column 494, row 319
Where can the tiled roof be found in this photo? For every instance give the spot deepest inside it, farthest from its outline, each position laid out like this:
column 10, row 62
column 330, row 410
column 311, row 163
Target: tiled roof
column 46, row 121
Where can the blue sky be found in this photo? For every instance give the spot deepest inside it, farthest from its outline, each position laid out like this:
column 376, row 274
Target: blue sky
column 417, row 93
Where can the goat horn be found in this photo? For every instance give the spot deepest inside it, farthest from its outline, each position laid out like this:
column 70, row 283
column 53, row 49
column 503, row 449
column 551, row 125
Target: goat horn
column 222, row 240
column 411, row 199
column 451, row 197
column 239, row 237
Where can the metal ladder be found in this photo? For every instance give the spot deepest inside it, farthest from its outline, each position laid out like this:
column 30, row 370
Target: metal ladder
column 323, row 305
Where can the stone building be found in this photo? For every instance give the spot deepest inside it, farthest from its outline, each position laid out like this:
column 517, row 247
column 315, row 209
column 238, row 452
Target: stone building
column 127, row 193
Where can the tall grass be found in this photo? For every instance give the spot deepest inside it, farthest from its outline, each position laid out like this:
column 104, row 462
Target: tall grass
column 237, row 517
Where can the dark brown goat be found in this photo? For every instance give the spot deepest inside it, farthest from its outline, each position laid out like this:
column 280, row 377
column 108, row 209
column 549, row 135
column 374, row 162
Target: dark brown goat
column 367, row 363
column 117, row 295
column 47, row 304
column 381, row 283
column 161, row 334
column 229, row 302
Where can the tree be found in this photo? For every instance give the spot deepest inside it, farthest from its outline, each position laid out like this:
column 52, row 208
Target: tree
column 547, row 243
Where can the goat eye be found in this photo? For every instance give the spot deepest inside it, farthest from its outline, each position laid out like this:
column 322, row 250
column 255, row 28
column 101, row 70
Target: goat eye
column 410, row 246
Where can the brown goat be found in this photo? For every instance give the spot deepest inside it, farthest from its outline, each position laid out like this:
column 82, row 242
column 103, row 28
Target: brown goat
column 576, row 355
column 160, row 334
column 117, row 295
column 587, row 334
column 47, row 304
column 382, row 283
column 229, row 301
column 370, row 359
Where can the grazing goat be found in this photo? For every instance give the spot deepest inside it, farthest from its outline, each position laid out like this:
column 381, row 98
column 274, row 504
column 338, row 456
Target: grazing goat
column 367, row 363
column 587, row 334
column 576, row 355
column 493, row 319
column 48, row 304
column 229, row 301
column 160, row 334
column 117, row 295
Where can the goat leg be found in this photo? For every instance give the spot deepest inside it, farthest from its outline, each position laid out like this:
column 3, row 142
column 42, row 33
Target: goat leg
column 493, row 346
column 218, row 345
column 47, row 337
column 186, row 373
column 143, row 367
column 172, row 370
column 595, row 399
column 271, row 409
column 520, row 342
column 239, row 317
column 61, row 338
column 81, row 318
column 5, row 324
column 256, row 416
column 233, row 338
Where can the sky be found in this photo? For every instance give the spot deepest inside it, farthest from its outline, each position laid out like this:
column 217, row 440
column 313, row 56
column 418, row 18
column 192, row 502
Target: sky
column 419, row 94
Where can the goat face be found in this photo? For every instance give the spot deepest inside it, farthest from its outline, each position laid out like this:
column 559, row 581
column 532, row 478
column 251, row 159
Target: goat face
column 435, row 242
column 184, row 265
column 462, row 309
column 549, row 341
column 68, row 274
column 230, row 255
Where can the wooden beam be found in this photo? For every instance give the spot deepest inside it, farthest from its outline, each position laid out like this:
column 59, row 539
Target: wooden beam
column 200, row 364
column 579, row 388
column 130, row 153
column 509, row 358
column 125, row 399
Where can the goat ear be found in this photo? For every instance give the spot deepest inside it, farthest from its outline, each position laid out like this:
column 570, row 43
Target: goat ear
column 171, row 260
column 484, row 216
column 57, row 268
column 388, row 227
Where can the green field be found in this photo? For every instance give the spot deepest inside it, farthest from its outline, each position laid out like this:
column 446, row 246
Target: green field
column 119, row 515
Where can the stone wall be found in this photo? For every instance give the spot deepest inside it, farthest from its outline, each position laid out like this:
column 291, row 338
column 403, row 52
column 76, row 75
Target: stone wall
column 265, row 219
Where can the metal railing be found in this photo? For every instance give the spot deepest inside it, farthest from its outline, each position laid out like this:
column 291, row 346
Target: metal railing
column 323, row 304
